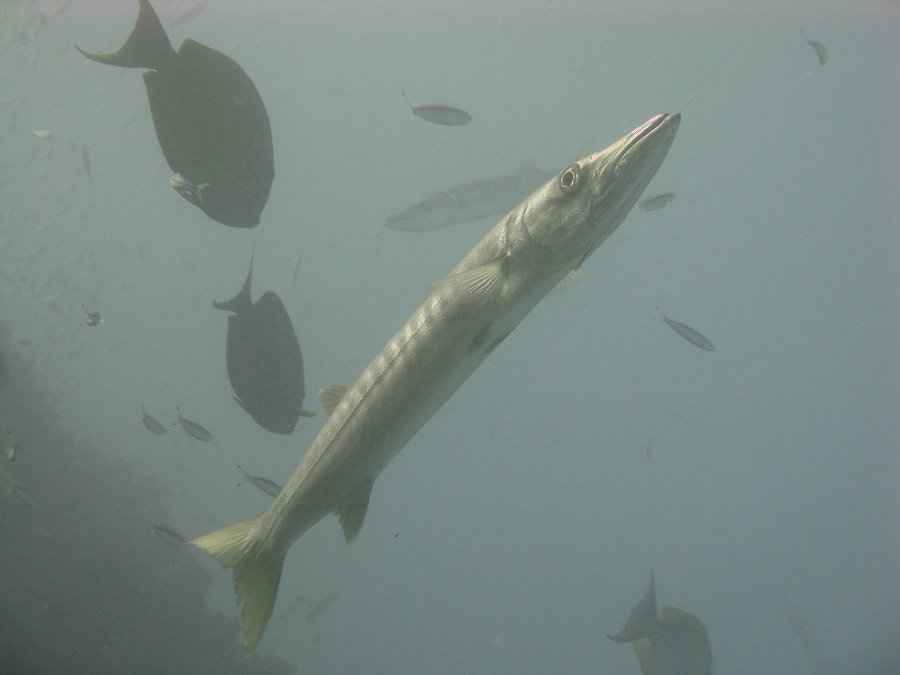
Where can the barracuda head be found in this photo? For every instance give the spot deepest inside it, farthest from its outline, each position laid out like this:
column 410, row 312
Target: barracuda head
column 576, row 211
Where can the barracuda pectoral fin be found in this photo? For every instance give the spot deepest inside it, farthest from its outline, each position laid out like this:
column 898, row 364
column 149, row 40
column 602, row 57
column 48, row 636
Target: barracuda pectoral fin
column 256, row 573
column 353, row 512
column 483, row 282
column 331, row 395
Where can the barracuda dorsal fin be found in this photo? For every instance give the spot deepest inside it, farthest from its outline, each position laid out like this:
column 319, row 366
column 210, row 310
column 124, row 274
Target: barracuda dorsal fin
column 148, row 45
column 331, row 395
column 484, row 281
column 353, row 512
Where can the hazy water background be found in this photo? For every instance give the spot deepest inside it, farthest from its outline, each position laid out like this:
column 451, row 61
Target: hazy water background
column 520, row 525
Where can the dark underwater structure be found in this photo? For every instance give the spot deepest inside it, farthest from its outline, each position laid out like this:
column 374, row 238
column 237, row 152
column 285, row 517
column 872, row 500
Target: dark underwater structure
column 86, row 585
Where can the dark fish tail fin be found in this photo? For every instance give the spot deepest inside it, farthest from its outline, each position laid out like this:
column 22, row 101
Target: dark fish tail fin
column 148, row 45
column 256, row 573
column 243, row 299
column 643, row 620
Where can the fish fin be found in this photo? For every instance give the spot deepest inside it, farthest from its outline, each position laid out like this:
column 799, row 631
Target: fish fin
column 331, row 395
column 242, row 300
column 353, row 512
column 643, row 617
column 484, row 281
column 644, row 651
column 148, row 45
column 256, row 573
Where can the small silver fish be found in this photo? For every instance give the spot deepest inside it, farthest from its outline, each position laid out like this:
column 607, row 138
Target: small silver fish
column 296, row 268
column 86, row 162
column 91, row 318
column 168, row 535
column 654, row 202
column 11, row 450
column 687, row 333
column 818, row 47
column 152, row 424
column 270, row 487
column 438, row 113
column 193, row 428
column 43, row 134
column 25, row 496
column 193, row 193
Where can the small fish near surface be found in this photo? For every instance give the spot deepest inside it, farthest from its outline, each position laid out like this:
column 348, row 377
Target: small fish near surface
column 152, row 424
column 673, row 643
column 263, row 359
column 192, row 428
column 439, row 113
column 210, row 120
column 90, row 318
column 465, row 317
column 818, row 48
column 270, row 487
column 654, row 202
column 688, row 333
column 471, row 200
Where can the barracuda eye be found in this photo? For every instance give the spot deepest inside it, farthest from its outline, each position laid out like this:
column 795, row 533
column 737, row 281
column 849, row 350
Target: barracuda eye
column 569, row 178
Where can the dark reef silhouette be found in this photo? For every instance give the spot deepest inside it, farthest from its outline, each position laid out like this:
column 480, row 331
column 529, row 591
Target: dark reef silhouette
column 86, row 585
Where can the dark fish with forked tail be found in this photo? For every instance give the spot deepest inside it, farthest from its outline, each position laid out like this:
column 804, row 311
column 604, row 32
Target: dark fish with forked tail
column 211, row 123
column 263, row 358
column 673, row 643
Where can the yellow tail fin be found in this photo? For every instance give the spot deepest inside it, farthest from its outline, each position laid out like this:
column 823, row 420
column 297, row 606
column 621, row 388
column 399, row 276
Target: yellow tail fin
column 256, row 573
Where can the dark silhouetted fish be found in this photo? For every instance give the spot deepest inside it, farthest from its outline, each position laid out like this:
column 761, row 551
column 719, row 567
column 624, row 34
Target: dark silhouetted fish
column 193, row 429
column 152, row 424
column 211, row 123
column 262, row 355
column 688, row 333
column 168, row 535
column 818, row 47
column 654, row 202
column 438, row 113
column 674, row 643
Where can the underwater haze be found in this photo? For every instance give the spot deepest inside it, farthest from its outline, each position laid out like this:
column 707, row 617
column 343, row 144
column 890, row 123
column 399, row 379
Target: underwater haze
column 756, row 473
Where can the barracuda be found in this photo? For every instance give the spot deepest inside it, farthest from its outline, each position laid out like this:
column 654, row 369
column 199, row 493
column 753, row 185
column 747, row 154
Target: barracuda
column 465, row 317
